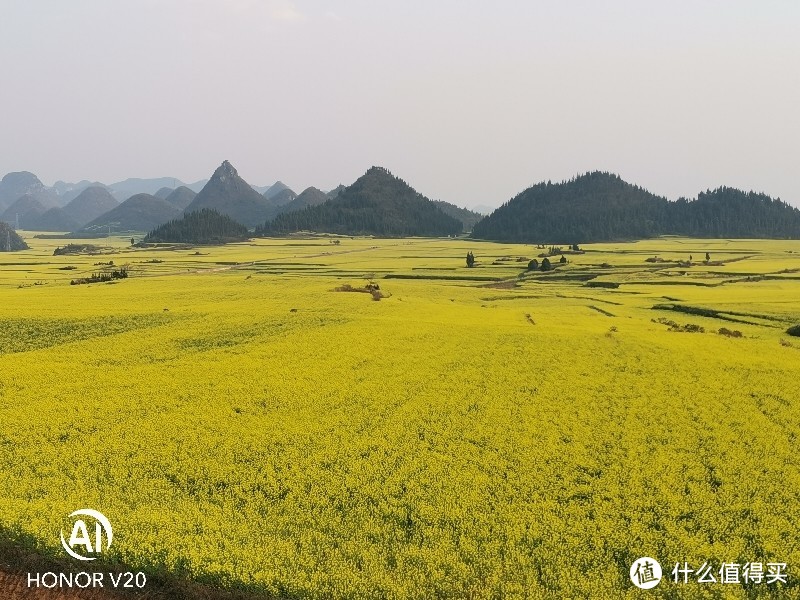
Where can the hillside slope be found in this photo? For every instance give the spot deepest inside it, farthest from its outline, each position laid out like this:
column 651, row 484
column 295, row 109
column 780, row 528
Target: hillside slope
column 141, row 212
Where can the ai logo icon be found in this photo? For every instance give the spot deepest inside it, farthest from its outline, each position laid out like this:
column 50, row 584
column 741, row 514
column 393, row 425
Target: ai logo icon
column 80, row 543
column 646, row 573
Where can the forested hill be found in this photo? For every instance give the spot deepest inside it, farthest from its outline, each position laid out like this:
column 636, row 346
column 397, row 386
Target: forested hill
column 378, row 203
column 205, row 226
column 602, row 207
column 593, row 207
column 731, row 213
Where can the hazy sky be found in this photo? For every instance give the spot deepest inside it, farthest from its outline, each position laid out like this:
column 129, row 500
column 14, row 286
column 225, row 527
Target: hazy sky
column 468, row 101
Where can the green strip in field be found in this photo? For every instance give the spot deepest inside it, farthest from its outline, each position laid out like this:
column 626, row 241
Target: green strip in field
column 682, row 282
column 517, row 297
column 724, row 315
column 601, row 311
column 24, row 335
column 444, row 277
column 563, row 277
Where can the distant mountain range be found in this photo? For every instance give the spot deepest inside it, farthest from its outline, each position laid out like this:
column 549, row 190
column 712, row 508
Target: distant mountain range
column 33, row 215
column 14, row 186
column 596, row 206
column 378, row 203
column 134, row 204
column 602, row 207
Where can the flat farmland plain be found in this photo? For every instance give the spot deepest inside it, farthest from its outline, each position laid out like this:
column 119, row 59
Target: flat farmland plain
column 490, row 432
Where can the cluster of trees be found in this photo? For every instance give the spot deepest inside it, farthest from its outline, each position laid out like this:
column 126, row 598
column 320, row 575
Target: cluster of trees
column 376, row 204
column 545, row 265
column 601, row 207
column 205, row 226
column 77, row 249
column 103, row 276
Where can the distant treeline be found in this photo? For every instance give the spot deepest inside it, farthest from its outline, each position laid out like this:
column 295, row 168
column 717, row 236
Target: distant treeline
column 602, row 207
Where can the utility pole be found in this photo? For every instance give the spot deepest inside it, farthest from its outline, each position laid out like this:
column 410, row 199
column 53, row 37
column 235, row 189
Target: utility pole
column 8, row 241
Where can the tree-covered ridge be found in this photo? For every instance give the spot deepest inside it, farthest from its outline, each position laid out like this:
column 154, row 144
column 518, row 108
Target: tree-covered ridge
column 378, row 203
column 594, row 206
column 729, row 212
column 600, row 206
column 10, row 240
column 206, row 226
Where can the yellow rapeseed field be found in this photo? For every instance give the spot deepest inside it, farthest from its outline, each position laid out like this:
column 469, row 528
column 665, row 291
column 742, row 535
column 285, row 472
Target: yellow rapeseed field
column 476, row 433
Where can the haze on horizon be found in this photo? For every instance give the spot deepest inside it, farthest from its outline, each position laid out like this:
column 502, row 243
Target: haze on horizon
column 470, row 102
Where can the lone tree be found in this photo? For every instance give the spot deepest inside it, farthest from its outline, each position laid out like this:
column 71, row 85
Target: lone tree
column 563, row 260
column 470, row 259
column 546, row 266
column 708, row 257
column 533, row 265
